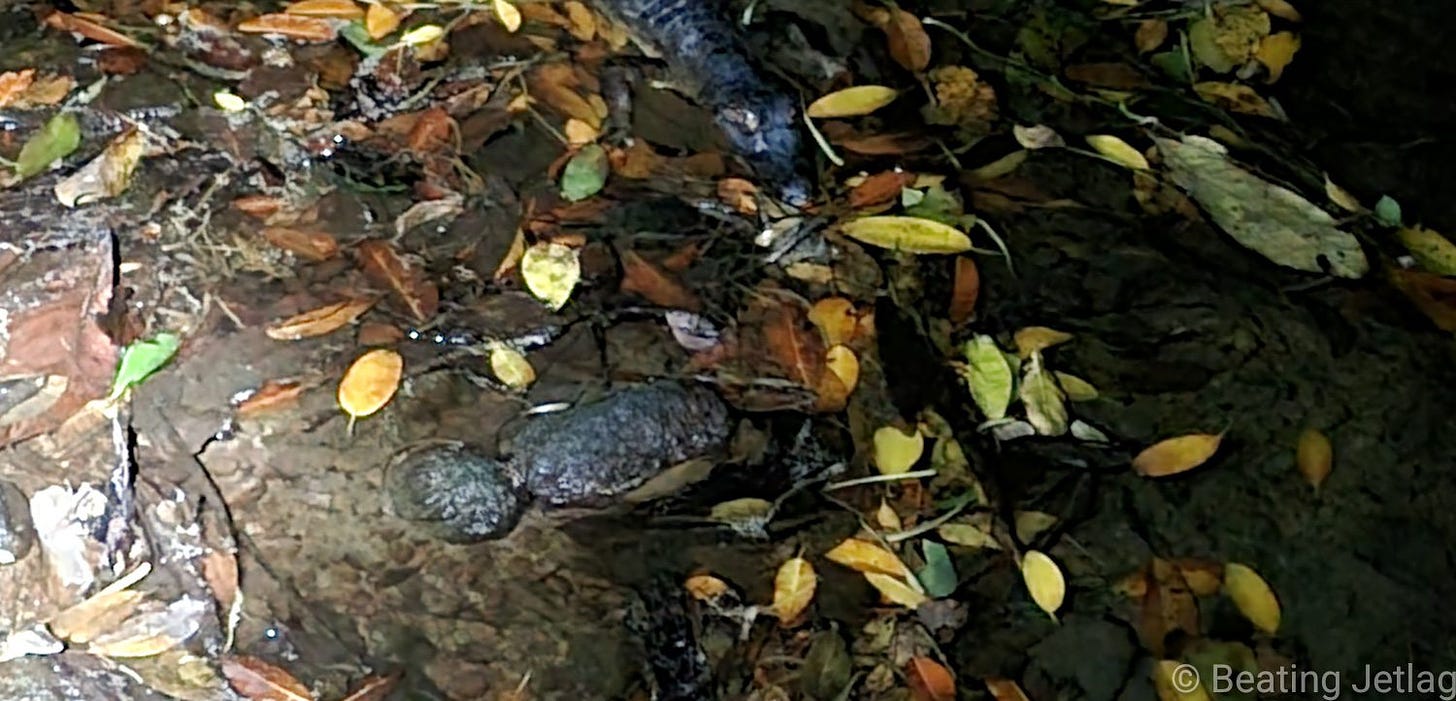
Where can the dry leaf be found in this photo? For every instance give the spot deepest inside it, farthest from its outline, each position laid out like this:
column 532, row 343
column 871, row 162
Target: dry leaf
column 510, row 367
column 382, row 264
column 551, row 271
column 311, row 29
column 793, row 347
column 896, row 451
column 1038, row 136
column 966, row 291
column 1235, row 97
column 370, row 382
column 272, row 395
column 643, row 278
column 909, row 44
column 138, row 645
column 843, row 364
column 886, row 517
column 582, row 22
column 260, row 681
column 836, row 319
column 320, row 321
column 1314, row 456
column 1433, row 294
column 793, row 590
column 89, row 29
column 929, row 681
column 705, row 587
column 1253, row 597
column 1044, row 580
column 1034, row 339
column 1118, row 151
column 1276, row 51
column 508, row 14
column 1176, row 455
column 1281, row 9
column 1151, row 33
column 337, row 9
column 381, row 20
column 908, row 234
column 311, row 245
column 107, row 175
column 1435, row 253
column 1005, row 689
column 864, row 556
column 880, row 189
column 895, row 590
column 13, row 84
column 852, row 102
column 101, row 613
column 375, row 687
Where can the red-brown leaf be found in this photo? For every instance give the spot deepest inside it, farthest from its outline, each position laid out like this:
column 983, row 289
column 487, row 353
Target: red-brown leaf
column 645, row 279
column 374, row 687
column 382, row 264
column 317, row 246
column 274, row 394
column 929, row 681
column 909, row 44
column 880, row 188
column 89, row 29
column 260, row 681
column 967, row 290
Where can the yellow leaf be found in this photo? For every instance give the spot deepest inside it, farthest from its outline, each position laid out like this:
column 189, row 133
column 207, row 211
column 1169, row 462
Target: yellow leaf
column 100, row 613
column 1118, row 151
column 971, row 535
column 508, row 14
column 793, row 589
column 1004, row 165
column 896, row 451
column 1030, row 524
column 1175, row 455
column 1076, row 388
column 1044, row 580
column 1276, row 51
column 895, row 590
column 1033, row 339
column 370, row 382
column 422, row 35
column 852, row 102
column 1342, row 197
column 1177, row 681
column 579, row 133
column 551, row 272
column 836, row 319
column 1235, row 97
column 844, row 364
column 1253, row 597
column 141, row 645
column 511, row 367
column 864, row 556
column 1314, row 456
column 229, row 101
column 380, row 21
column 909, row 234
column 1433, row 251
column 1281, row 9
column 1046, row 407
column 887, row 518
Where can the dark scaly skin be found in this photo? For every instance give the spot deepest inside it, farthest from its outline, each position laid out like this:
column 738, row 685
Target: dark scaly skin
column 759, row 119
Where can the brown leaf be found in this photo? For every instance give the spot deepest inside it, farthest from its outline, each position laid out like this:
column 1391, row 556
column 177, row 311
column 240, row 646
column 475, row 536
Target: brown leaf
column 966, row 291
column 929, row 681
column 1434, row 295
column 791, row 341
column 909, row 44
column 101, row 613
column 220, row 569
column 880, row 188
column 319, row 321
column 260, row 681
column 382, row 264
column 374, row 687
column 89, row 29
column 374, row 334
column 837, row 320
column 311, row 245
column 645, row 279
column 557, row 85
column 312, row 29
column 882, row 144
column 1151, row 33
column 259, row 206
column 738, row 194
column 336, row 9
column 274, row 394
column 1168, row 607
column 433, row 132
column 1117, row 76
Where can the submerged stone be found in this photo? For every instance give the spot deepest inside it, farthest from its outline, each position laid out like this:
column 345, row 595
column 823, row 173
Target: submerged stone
column 460, row 494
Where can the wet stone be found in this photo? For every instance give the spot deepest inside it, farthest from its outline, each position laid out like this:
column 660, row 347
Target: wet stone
column 460, row 494
column 17, row 532
column 591, row 454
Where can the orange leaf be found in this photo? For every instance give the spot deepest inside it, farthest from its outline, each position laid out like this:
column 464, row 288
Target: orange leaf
column 382, row 264
column 644, row 279
column 1005, row 689
column 337, row 9
column 258, row 680
column 292, row 26
column 272, row 395
column 370, row 382
column 705, row 587
column 317, row 322
column 966, row 291
column 836, row 319
column 316, row 246
column 380, row 20
column 259, row 206
column 929, row 681
column 864, row 556
column 909, row 44
column 13, row 84
column 836, row 385
column 1434, row 295
column 1176, row 455
column 90, row 29
column 795, row 348
column 880, row 189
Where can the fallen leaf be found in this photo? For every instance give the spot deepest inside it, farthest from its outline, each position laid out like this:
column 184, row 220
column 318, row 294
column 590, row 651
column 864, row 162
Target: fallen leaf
column 582, row 22
column 645, row 279
column 107, row 175
column 1000, row 167
column 1110, row 75
column 272, row 395
column 13, row 84
column 1434, row 295
column 793, row 590
column 896, row 451
column 319, row 321
column 585, row 174
column 886, row 517
column 380, row 20
column 895, row 590
column 1314, row 457
column 423, row 34
column 988, row 375
column 312, row 29
column 551, row 271
column 1171, row 679
column 852, row 102
column 141, row 359
column 133, row 646
column 1005, row 689
column 370, row 382
column 966, row 290
column 375, row 687
column 97, row 614
column 508, row 14
column 1030, row 524
column 705, row 587
column 909, row 44
column 1431, row 250
column 1045, row 404
column 260, row 681
column 1276, row 51
column 1281, row 9
column 1267, row 218
column 308, row 244
column 1167, row 605
column 57, row 139
column 510, row 367
column 1034, row 339
column 91, row 30
column 938, row 577
column 796, row 349
column 1044, row 581
column 929, row 681
column 337, row 9
column 1228, row 37
column 1151, row 33
column 908, row 234
column 972, row 534
column 1117, row 151
column 1235, row 97
column 844, row 364
column 1176, row 455
column 1076, row 388
column 385, row 266
column 1253, row 597
column 1037, row 137
column 864, row 556
column 880, row 189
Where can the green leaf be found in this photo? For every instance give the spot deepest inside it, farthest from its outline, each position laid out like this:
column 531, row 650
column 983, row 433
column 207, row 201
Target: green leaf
column 141, row 359
column 1387, row 211
column 988, row 376
column 938, row 576
column 940, row 205
column 358, row 37
column 1046, row 407
column 585, row 174
column 56, row 140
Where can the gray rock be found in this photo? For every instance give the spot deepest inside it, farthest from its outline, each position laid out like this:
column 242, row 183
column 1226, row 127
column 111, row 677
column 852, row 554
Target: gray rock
column 460, row 494
column 591, row 454
column 17, row 532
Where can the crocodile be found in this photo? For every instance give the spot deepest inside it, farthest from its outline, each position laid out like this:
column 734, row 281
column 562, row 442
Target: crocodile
column 758, row 117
